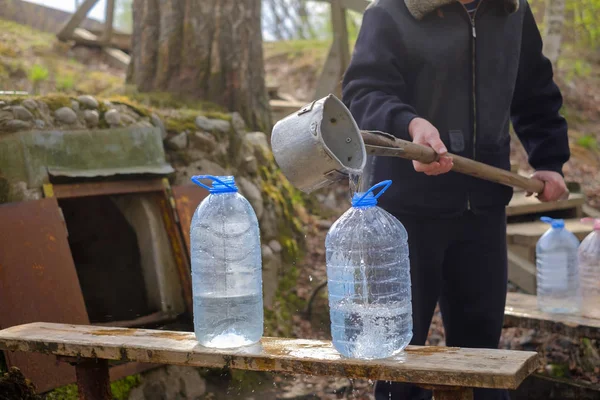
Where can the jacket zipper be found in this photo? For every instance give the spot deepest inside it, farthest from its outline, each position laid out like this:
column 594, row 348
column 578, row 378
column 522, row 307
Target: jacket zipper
column 473, row 45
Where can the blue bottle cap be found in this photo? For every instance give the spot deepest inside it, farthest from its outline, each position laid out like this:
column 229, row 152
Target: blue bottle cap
column 555, row 223
column 367, row 199
column 221, row 184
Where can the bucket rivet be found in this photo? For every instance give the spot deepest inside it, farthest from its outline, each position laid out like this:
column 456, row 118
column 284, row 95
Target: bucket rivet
column 313, row 128
column 348, row 140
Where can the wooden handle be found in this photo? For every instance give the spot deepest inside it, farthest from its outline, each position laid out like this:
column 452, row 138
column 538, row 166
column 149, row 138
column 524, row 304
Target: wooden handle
column 384, row 144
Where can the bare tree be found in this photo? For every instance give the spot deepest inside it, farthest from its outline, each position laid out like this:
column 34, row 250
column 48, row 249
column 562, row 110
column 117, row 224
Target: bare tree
column 554, row 20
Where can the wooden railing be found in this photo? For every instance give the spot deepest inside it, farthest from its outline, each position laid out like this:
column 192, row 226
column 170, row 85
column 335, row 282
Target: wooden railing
column 338, row 56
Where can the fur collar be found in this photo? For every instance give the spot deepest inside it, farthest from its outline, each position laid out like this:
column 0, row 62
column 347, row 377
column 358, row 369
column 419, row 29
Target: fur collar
column 420, row 8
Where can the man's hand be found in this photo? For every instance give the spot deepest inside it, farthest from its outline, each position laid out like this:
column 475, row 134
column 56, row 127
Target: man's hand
column 422, row 132
column 554, row 186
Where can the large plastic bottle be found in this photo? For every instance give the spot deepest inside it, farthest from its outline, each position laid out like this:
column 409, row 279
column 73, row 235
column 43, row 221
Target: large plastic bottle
column 368, row 276
column 226, row 267
column 557, row 274
column 589, row 271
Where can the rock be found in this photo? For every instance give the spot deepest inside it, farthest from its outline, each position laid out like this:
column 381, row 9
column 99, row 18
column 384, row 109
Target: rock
column 15, row 125
column 66, row 115
column 250, row 165
column 170, row 383
column 238, row 123
column 43, row 107
column 156, row 121
column 88, row 101
column 330, row 201
column 252, row 194
column 203, row 141
column 20, row 191
column 324, row 224
column 178, row 142
column 113, row 118
column 128, row 119
column 75, row 105
column 257, row 143
column 275, row 246
column 39, row 124
column 6, row 116
column 22, row 113
column 212, row 125
column 92, row 118
column 272, row 265
column 144, row 124
column 269, row 222
column 30, row 104
column 207, row 167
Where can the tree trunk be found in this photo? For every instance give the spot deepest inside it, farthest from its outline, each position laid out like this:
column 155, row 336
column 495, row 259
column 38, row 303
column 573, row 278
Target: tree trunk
column 554, row 20
column 206, row 49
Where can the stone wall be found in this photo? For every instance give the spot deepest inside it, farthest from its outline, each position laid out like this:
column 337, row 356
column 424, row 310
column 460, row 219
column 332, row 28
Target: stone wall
column 195, row 142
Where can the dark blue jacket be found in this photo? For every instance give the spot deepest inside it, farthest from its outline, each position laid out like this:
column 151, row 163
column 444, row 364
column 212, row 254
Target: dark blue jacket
column 470, row 79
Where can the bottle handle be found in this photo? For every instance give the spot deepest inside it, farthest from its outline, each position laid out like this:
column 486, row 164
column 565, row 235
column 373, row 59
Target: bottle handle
column 196, row 180
column 384, row 184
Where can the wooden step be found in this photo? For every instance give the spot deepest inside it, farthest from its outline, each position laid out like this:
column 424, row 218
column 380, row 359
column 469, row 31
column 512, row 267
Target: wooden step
column 528, row 233
column 522, row 205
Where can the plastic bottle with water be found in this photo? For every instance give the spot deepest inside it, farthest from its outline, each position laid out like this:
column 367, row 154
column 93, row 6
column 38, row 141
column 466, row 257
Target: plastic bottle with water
column 557, row 272
column 589, row 271
column 226, row 267
column 368, row 276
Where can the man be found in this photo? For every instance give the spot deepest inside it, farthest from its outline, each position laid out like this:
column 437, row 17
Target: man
column 451, row 75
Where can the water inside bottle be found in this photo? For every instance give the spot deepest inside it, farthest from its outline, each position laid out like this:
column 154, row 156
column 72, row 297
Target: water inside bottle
column 225, row 321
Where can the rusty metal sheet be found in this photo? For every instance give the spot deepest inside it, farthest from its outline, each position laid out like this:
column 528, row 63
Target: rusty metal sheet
column 187, row 199
column 38, row 282
column 65, row 191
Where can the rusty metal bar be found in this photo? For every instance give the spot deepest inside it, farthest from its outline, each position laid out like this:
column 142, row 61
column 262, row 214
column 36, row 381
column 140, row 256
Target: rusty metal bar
column 93, row 381
column 179, row 253
column 66, row 191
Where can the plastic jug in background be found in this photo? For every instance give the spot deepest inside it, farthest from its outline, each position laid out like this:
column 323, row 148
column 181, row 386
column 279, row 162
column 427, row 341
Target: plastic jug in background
column 226, row 267
column 589, row 271
column 368, row 276
column 557, row 274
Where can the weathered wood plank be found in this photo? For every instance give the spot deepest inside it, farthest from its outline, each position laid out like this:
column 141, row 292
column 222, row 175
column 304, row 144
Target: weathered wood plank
column 520, row 204
column 521, row 272
column 108, row 22
column 529, row 233
column 83, row 10
column 421, row 365
column 522, row 311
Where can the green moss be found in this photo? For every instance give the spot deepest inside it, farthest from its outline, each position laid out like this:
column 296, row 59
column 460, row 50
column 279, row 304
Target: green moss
column 185, row 121
column 166, row 100
column 120, row 389
column 138, row 108
column 558, row 370
column 68, row 392
column 55, row 101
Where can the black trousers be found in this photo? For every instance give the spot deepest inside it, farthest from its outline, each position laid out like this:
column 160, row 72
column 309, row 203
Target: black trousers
column 462, row 263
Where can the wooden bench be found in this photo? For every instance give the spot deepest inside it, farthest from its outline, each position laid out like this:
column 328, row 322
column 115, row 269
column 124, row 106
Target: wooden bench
column 450, row 372
column 522, row 311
